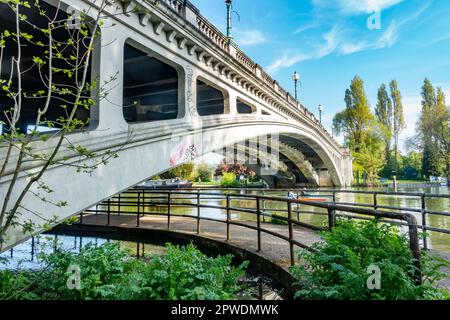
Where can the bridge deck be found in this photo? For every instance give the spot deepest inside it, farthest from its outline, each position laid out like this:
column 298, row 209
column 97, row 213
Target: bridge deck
column 272, row 248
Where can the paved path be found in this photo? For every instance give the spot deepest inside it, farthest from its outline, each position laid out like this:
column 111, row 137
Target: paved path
column 272, row 248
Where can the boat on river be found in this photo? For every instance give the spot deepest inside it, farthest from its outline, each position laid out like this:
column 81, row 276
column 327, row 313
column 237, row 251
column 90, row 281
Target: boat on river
column 306, row 197
column 165, row 184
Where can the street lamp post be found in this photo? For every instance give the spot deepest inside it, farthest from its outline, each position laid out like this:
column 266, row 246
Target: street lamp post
column 320, row 113
column 296, row 78
column 229, row 4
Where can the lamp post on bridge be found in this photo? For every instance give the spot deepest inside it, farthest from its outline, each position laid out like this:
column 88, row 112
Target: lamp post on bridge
column 320, row 113
column 229, row 4
column 296, row 78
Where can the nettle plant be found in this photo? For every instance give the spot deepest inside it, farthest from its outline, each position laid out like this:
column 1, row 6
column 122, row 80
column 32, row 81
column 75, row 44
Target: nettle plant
column 46, row 93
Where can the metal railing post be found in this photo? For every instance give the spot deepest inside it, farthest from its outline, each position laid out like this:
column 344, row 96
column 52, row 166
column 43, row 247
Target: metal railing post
column 424, row 221
column 119, row 205
column 198, row 211
column 414, row 246
column 168, row 209
column 143, row 202
column 263, row 206
column 138, row 222
column 81, row 217
column 334, row 203
column 228, row 216
column 291, row 233
column 298, row 207
column 331, row 217
column 258, row 222
column 375, row 201
column 109, row 211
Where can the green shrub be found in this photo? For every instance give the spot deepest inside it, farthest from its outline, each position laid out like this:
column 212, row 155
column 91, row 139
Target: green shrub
column 108, row 273
column 338, row 270
column 204, row 172
column 229, row 180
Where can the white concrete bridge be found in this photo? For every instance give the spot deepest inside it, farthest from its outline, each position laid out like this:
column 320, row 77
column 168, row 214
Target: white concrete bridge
column 182, row 90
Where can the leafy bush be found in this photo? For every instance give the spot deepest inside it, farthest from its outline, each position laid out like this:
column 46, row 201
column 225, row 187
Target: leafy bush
column 229, row 180
column 204, row 172
column 187, row 274
column 110, row 273
column 338, row 270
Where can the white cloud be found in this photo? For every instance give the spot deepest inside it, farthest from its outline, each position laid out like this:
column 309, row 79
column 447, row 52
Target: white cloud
column 306, row 27
column 340, row 41
column 349, row 48
column 356, row 6
column 287, row 61
column 332, row 39
column 250, row 37
column 389, row 37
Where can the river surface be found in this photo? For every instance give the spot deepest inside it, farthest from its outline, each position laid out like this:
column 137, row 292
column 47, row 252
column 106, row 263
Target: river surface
column 436, row 240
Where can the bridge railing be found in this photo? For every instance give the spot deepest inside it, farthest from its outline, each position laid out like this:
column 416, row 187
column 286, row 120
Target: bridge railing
column 182, row 7
column 144, row 199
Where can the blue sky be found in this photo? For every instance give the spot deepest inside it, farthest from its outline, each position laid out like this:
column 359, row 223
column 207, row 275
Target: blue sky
column 329, row 42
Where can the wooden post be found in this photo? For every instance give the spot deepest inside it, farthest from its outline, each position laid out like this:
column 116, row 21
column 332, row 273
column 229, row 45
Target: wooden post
column 168, row 209
column 424, row 221
column 258, row 223
column 228, row 216
column 291, row 233
column 198, row 211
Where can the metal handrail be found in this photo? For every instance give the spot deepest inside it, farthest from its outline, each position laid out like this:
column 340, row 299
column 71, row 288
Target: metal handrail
column 333, row 192
column 143, row 195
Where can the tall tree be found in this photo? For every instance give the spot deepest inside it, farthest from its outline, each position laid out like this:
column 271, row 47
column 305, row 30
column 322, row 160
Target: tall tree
column 433, row 130
column 357, row 117
column 441, row 129
column 358, row 123
column 398, row 117
column 383, row 112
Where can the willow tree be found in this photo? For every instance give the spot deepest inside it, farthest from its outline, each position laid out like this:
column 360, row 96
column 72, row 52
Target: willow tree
column 360, row 126
column 56, row 53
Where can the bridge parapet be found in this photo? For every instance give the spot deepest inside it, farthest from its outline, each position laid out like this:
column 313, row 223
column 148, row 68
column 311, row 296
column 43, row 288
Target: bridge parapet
column 295, row 109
